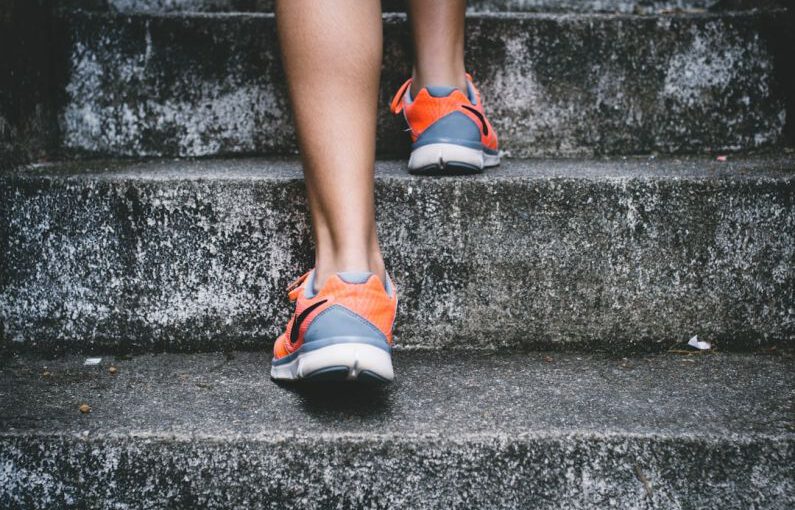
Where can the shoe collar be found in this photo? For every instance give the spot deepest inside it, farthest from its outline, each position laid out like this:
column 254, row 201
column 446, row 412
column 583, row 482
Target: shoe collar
column 403, row 95
column 306, row 283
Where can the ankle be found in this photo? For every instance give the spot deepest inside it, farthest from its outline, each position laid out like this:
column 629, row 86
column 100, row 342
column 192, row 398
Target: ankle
column 447, row 78
column 329, row 265
column 378, row 267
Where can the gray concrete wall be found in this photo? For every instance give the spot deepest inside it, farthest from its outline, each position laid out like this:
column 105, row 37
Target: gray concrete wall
column 615, row 255
column 625, row 6
column 553, row 85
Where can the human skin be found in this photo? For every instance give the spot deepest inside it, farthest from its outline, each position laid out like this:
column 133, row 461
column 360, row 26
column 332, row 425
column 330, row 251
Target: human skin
column 332, row 54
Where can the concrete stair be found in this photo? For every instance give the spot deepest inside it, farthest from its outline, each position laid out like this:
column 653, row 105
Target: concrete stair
column 624, row 254
column 605, row 6
column 457, row 430
column 162, row 78
column 542, row 303
column 198, row 84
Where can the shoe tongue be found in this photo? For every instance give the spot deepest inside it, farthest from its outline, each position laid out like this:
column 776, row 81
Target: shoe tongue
column 440, row 90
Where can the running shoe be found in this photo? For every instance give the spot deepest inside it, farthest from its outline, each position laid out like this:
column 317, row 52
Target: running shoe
column 449, row 130
column 342, row 332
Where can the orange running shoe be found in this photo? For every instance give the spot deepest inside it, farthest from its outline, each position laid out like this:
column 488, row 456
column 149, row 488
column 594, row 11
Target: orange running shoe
column 449, row 130
column 341, row 332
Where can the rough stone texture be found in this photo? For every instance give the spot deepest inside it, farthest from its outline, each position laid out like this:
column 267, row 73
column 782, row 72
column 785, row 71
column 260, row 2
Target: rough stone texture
column 626, row 6
column 454, row 431
column 31, row 81
column 623, row 254
column 212, row 84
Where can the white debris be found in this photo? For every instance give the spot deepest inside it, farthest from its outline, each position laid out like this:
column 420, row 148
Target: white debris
column 90, row 362
column 697, row 344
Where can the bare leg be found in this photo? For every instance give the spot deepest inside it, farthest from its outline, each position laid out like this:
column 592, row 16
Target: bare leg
column 438, row 33
column 332, row 57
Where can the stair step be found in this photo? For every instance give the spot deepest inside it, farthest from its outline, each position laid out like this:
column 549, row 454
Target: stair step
column 618, row 254
column 625, row 6
column 454, row 431
column 554, row 84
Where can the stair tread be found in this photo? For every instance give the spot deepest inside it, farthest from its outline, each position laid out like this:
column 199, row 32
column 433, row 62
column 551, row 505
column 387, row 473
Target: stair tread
column 398, row 5
column 778, row 165
column 456, row 430
column 401, row 16
column 453, row 395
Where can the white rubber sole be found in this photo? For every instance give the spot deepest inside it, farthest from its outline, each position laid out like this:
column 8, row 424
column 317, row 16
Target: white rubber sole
column 438, row 157
column 339, row 362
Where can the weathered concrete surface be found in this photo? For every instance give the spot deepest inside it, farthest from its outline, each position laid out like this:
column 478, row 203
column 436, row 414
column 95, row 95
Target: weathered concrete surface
column 569, row 6
column 623, row 254
column 32, row 82
column 212, row 84
column 454, row 431
column 625, row 6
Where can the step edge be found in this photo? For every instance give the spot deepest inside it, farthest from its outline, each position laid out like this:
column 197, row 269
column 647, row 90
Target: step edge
column 775, row 169
column 408, row 437
column 400, row 17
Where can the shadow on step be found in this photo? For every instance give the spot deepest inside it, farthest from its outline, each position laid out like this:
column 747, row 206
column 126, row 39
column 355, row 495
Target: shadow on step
column 336, row 400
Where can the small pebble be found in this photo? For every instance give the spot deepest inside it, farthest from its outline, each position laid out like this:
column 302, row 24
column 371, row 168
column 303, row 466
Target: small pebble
column 85, row 408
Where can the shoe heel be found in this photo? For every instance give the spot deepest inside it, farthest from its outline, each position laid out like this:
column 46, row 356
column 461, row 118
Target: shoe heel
column 446, row 158
column 340, row 359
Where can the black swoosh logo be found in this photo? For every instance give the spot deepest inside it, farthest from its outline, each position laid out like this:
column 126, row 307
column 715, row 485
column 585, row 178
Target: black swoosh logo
column 480, row 117
column 298, row 320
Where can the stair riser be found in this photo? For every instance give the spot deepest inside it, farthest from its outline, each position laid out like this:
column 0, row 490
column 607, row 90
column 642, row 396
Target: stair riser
column 627, row 6
column 553, row 85
column 560, row 262
column 504, row 472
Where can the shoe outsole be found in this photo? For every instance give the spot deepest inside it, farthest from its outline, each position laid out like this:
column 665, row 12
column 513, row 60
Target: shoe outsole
column 343, row 374
column 347, row 361
column 447, row 168
column 328, row 374
column 450, row 159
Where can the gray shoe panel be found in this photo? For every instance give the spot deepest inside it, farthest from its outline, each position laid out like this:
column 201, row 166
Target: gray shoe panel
column 454, row 128
column 338, row 321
